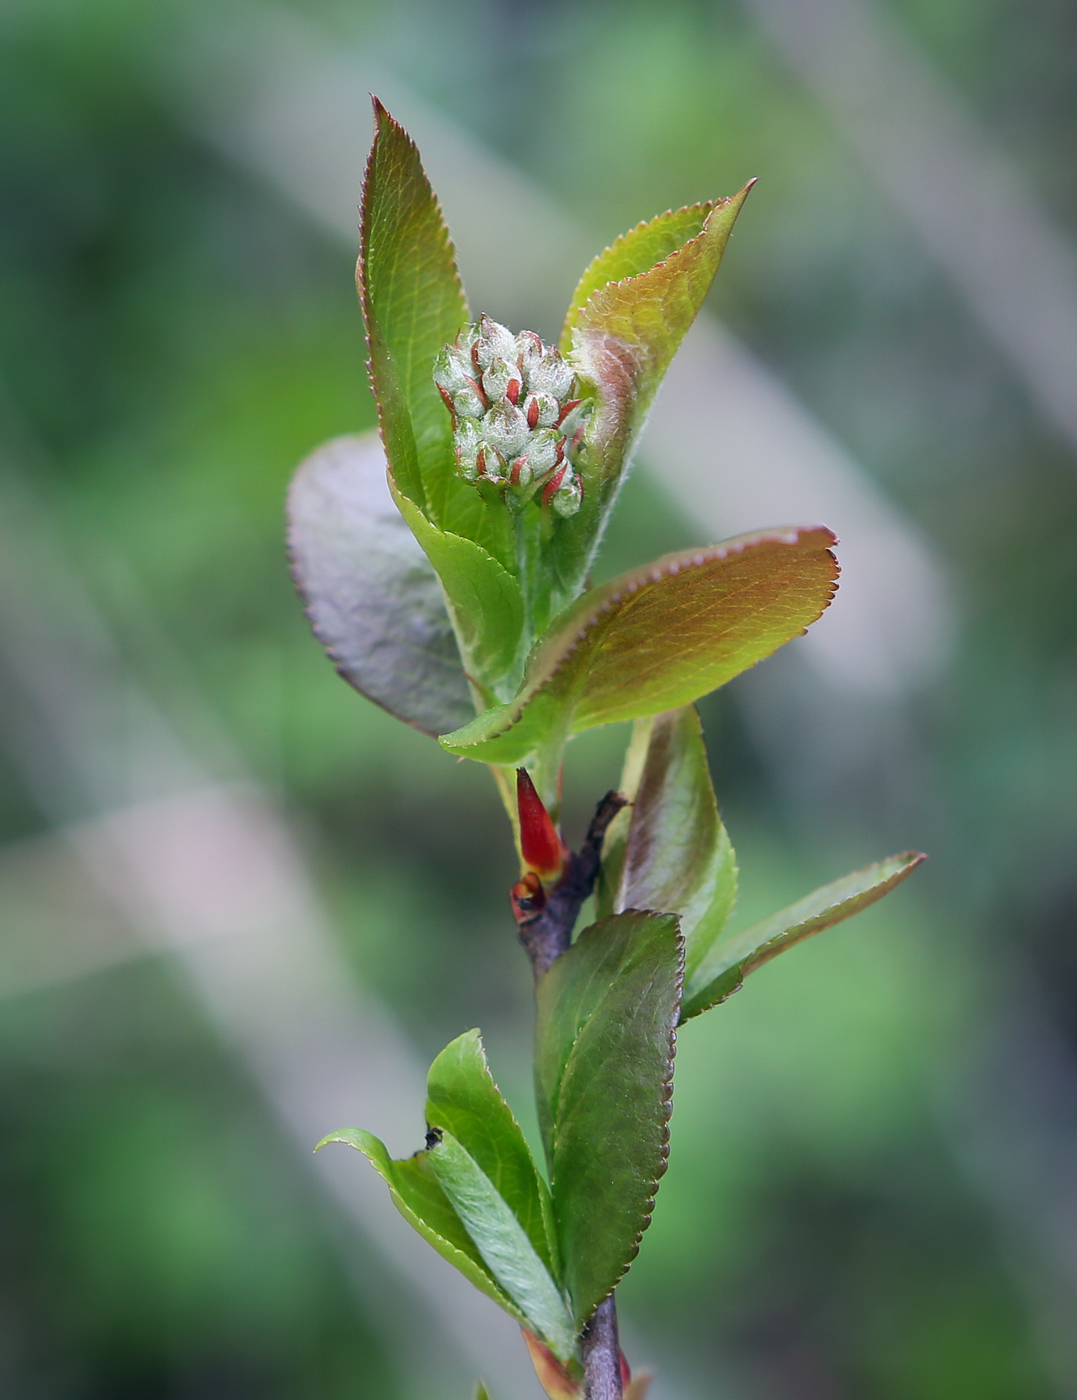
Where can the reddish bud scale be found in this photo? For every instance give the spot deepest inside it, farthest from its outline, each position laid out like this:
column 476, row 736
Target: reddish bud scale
column 553, row 483
column 540, row 844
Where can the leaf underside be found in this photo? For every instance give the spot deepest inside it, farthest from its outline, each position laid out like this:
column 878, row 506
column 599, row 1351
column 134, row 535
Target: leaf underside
column 734, row 956
column 372, row 597
column 605, row 1041
column 463, row 1099
column 475, row 1194
column 658, row 638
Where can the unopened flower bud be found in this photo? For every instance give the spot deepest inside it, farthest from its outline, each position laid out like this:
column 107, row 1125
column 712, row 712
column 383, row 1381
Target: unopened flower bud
column 521, row 473
column 544, row 450
column 551, row 375
column 502, row 381
column 568, row 497
column 468, row 403
column 490, row 463
column 453, row 370
column 495, row 342
column 563, row 491
column 541, row 410
column 505, row 428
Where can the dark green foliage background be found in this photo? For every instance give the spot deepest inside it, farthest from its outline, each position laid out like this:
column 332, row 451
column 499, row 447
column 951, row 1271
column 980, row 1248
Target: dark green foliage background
column 173, row 338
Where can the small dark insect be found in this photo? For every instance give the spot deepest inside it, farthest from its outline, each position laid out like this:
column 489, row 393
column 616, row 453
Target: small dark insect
column 433, row 1137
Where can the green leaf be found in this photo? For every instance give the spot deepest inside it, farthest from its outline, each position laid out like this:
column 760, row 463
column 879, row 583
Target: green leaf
column 484, row 600
column 371, row 594
column 658, row 638
column 733, row 957
column 669, row 850
column 421, row 1201
column 629, row 314
column 463, row 1099
column 413, row 304
column 481, row 1393
column 604, row 1080
column 505, row 1247
column 634, row 253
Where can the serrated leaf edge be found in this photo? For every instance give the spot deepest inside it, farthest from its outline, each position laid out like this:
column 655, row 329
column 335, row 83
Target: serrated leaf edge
column 627, row 584
column 381, row 111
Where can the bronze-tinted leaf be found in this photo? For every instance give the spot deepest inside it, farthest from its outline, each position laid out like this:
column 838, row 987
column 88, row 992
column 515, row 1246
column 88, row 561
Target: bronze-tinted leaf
column 658, row 638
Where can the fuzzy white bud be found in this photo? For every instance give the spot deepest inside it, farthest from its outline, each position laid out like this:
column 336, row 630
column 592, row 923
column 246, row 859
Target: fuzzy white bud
column 494, row 342
column 517, row 418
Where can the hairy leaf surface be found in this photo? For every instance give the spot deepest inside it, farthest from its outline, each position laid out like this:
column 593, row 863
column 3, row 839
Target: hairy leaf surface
column 658, row 638
column 604, row 1074
column 732, row 958
column 412, row 302
column 463, row 1099
column 669, row 850
column 371, row 593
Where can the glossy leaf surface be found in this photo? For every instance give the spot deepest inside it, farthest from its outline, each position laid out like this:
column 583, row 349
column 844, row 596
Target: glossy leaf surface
column 413, row 304
column 421, row 1201
column 371, row 594
column 503, row 1244
column 670, row 851
column 658, row 638
column 463, row 1099
column 732, row 958
column 605, row 1038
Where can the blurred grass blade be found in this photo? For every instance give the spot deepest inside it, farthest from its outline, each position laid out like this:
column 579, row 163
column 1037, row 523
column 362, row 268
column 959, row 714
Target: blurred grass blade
column 731, row 959
column 604, row 1080
column 463, row 1099
column 371, row 594
column 504, row 1245
column 669, row 850
column 658, row 638
column 413, row 304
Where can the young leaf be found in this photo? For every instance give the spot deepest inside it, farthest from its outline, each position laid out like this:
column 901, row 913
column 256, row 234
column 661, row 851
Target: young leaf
column 371, row 594
column 604, row 1080
column 484, row 599
column 636, row 252
column 732, row 958
column 413, row 304
column 658, row 638
column 505, row 1248
column 421, row 1201
column 463, row 1099
column 669, row 850
column 629, row 314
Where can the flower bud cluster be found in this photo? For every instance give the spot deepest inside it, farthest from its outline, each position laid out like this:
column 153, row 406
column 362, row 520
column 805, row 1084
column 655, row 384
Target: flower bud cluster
column 517, row 417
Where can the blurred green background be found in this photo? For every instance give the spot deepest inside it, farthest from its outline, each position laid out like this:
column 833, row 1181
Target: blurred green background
column 873, row 1185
